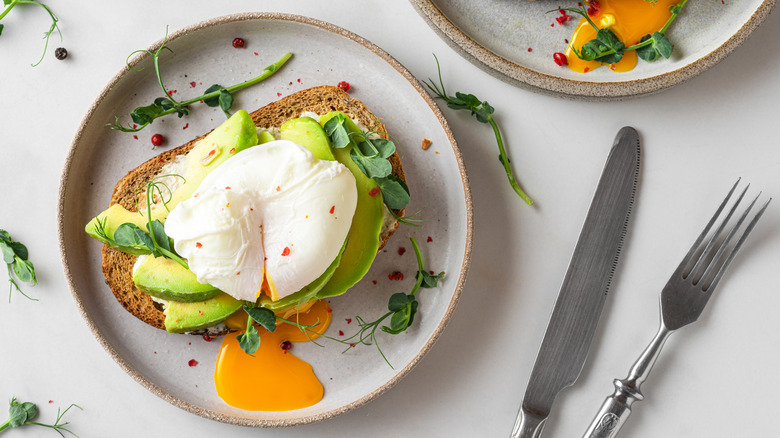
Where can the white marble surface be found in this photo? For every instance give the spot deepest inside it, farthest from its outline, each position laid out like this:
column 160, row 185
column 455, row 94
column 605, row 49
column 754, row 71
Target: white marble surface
column 715, row 378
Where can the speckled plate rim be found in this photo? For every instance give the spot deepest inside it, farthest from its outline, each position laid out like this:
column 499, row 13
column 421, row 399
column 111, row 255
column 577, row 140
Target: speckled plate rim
column 533, row 80
column 69, row 275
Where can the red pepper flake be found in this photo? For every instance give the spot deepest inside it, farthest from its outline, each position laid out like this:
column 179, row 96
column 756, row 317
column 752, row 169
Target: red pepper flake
column 207, row 338
column 563, row 18
column 135, row 137
column 530, row 49
column 349, row 320
column 560, row 59
column 227, row 188
column 155, row 352
column 285, row 345
column 251, row 209
column 594, row 8
column 212, row 152
column 193, row 84
column 396, row 275
column 286, row 251
column 192, row 362
column 332, row 209
column 238, row 43
column 430, row 239
column 232, row 151
column 373, row 281
column 171, row 92
column 278, row 188
column 186, row 125
column 299, row 80
column 161, row 160
column 256, row 54
column 552, row 24
column 344, row 85
column 373, row 192
column 238, row 273
column 587, row 69
column 198, row 245
column 51, row 401
column 341, row 333
column 431, row 272
column 278, row 94
column 200, row 312
column 401, row 250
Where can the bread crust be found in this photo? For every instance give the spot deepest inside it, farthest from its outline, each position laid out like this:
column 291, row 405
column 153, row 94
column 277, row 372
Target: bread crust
column 118, row 266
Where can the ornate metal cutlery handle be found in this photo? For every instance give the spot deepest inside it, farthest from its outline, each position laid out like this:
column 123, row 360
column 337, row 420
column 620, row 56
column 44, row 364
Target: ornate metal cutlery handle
column 617, row 407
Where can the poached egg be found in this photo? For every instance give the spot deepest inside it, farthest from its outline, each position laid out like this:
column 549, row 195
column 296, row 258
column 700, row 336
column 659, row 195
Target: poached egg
column 271, row 218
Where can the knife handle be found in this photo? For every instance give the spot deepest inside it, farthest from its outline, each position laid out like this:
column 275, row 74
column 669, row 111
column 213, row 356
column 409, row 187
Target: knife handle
column 528, row 425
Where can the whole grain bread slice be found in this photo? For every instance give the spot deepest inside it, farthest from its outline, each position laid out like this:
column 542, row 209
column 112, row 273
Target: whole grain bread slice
column 118, row 266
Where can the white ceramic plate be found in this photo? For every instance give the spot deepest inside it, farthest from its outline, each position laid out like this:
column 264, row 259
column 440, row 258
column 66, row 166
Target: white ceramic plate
column 323, row 54
column 496, row 35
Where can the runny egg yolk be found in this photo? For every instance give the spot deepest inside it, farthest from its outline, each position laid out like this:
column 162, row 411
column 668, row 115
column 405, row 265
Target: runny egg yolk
column 630, row 20
column 272, row 379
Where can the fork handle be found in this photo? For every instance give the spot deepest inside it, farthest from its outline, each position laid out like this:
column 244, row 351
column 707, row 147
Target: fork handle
column 617, row 407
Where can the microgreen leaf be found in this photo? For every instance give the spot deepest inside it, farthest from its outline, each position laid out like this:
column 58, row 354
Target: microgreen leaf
column 129, row 235
column 8, row 253
column 394, row 192
column 262, row 316
column 249, row 341
column 398, row 301
column 648, row 52
column 1, row 28
column 429, row 280
column 162, row 239
column 144, row 115
column 19, row 249
column 16, row 415
column 336, row 128
column 373, row 167
column 662, row 44
column 15, row 256
column 212, row 101
column 225, row 101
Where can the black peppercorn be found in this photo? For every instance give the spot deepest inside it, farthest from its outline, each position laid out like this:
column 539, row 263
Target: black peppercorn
column 61, row 53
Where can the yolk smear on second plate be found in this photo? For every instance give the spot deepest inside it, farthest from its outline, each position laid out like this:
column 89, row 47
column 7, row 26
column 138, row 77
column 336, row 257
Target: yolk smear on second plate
column 272, row 379
column 630, row 20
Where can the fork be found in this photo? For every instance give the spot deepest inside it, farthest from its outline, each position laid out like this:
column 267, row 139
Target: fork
column 682, row 301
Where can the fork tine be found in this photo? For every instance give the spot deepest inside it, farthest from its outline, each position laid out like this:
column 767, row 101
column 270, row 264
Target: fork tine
column 722, row 248
column 739, row 243
column 688, row 257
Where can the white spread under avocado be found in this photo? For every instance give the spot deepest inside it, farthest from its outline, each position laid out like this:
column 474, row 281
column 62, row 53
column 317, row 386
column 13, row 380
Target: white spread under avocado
column 272, row 212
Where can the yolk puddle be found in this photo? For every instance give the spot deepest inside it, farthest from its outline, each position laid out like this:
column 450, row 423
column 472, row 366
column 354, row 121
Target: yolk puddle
column 272, row 379
column 630, row 20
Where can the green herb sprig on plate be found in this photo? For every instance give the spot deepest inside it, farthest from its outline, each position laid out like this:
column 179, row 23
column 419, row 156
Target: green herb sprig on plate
column 484, row 114
column 10, row 4
column 23, row 413
column 608, row 48
column 15, row 256
column 215, row 95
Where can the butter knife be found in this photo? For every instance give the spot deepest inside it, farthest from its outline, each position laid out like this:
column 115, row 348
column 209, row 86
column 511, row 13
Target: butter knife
column 585, row 286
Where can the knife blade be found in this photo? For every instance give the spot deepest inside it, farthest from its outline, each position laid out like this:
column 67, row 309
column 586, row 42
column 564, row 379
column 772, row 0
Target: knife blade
column 577, row 310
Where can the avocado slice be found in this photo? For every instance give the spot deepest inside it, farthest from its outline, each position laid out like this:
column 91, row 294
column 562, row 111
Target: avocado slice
column 164, row 278
column 188, row 317
column 234, row 135
column 307, row 132
column 363, row 238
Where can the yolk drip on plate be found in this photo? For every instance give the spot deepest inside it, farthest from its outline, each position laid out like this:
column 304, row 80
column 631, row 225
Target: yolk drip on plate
column 272, row 379
column 630, row 20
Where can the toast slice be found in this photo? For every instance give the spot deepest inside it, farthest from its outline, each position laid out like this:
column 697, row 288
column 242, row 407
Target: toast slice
column 118, row 266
